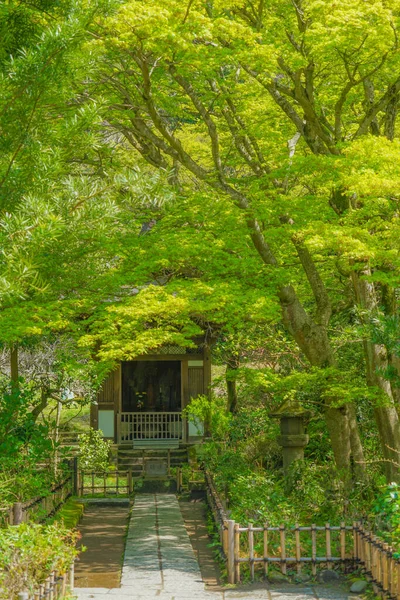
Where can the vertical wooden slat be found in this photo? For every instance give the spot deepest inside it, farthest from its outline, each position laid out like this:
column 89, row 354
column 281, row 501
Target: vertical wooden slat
column 385, row 578
column 51, row 586
column 378, row 564
column 392, row 573
column 282, row 533
column 398, row 579
column 313, row 549
column 298, row 547
column 373, row 558
column 225, row 538
column 251, row 549
column 231, row 550
column 343, row 540
column 92, row 483
column 328, row 545
column 368, row 552
column 117, row 481
column 47, row 588
column 237, row 553
column 105, row 482
column 72, row 577
column 63, row 585
column 355, row 545
column 265, row 550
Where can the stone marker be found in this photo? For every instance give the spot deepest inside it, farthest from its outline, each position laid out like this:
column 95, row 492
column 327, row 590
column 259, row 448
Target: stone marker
column 156, row 468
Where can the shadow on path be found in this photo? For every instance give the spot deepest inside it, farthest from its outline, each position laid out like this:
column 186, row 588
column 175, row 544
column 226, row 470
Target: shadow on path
column 103, row 530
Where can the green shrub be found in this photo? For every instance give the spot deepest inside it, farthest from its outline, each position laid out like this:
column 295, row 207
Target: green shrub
column 30, row 552
column 94, row 451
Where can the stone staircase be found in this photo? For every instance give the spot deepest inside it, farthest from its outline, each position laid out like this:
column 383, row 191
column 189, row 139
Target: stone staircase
column 129, row 458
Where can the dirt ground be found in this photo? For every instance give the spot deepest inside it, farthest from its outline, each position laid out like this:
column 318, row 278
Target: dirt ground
column 194, row 515
column 103, row 530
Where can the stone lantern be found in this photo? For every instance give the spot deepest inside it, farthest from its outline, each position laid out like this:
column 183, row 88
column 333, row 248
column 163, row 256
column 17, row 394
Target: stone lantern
column 292, row 439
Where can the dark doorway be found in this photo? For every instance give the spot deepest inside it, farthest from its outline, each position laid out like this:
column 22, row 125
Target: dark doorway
column 151, row 386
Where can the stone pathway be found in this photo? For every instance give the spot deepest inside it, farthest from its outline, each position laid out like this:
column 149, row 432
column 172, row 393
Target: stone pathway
column 160, row 564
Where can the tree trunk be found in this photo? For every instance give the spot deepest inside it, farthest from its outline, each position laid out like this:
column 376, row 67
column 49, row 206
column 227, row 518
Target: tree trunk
column 357, row 452
column 376, row 359
column 232, row 365
column 313, row 340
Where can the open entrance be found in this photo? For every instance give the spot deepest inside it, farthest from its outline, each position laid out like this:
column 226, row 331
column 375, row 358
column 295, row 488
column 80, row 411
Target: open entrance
column 151, row 400
column 151, row 386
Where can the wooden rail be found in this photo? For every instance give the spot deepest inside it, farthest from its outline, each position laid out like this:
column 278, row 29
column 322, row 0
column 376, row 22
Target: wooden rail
column 104, row 482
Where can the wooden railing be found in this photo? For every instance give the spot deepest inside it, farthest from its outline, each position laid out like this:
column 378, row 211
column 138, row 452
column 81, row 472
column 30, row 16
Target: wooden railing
column 149, row 426
column 37, row 509
column 265, row 547
column 110, row 483
column 283, row 546
column 56, row 587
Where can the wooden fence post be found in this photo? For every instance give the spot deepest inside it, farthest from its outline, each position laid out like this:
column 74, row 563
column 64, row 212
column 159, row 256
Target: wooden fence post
column 224, row 537
column 72, row 578
column 18, row 513
column 129, row 482
column 75, row 476
column 265, row 552
column 237, row 553
column 231, row 551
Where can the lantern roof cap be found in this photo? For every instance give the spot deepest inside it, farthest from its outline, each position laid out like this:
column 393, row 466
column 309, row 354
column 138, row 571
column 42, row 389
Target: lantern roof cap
column 290, row 408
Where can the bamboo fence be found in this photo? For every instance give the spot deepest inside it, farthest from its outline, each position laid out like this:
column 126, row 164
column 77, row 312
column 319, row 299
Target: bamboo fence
column 55, row 587
column 264, row 548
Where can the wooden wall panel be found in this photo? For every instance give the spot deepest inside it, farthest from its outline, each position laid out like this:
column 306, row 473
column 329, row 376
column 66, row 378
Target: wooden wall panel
column 196, row 381
column 109, row 392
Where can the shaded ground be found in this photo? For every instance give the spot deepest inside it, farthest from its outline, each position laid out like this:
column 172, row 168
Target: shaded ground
column 103, row 530
column 194, row 514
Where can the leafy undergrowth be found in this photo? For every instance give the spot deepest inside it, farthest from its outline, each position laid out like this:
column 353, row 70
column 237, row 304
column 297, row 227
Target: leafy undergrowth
column 30, row 552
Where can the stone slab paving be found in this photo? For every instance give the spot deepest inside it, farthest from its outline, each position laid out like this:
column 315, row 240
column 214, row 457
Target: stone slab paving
column 159, row 563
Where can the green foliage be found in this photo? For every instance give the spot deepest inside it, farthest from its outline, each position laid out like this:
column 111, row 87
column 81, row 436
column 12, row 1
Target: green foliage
column 23, row 444
column 29, row 553
column 211, row 414
column 94, row 451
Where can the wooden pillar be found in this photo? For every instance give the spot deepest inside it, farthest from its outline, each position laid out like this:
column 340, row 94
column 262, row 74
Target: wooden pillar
column 185, row 396
column 117, row 402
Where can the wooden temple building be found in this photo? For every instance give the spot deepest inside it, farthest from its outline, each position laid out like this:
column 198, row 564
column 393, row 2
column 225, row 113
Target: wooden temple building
column 140, row 403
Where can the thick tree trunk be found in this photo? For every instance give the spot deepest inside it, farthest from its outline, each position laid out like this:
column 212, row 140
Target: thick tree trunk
column 313, row 340
column 376, row 359
column 357, row 452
